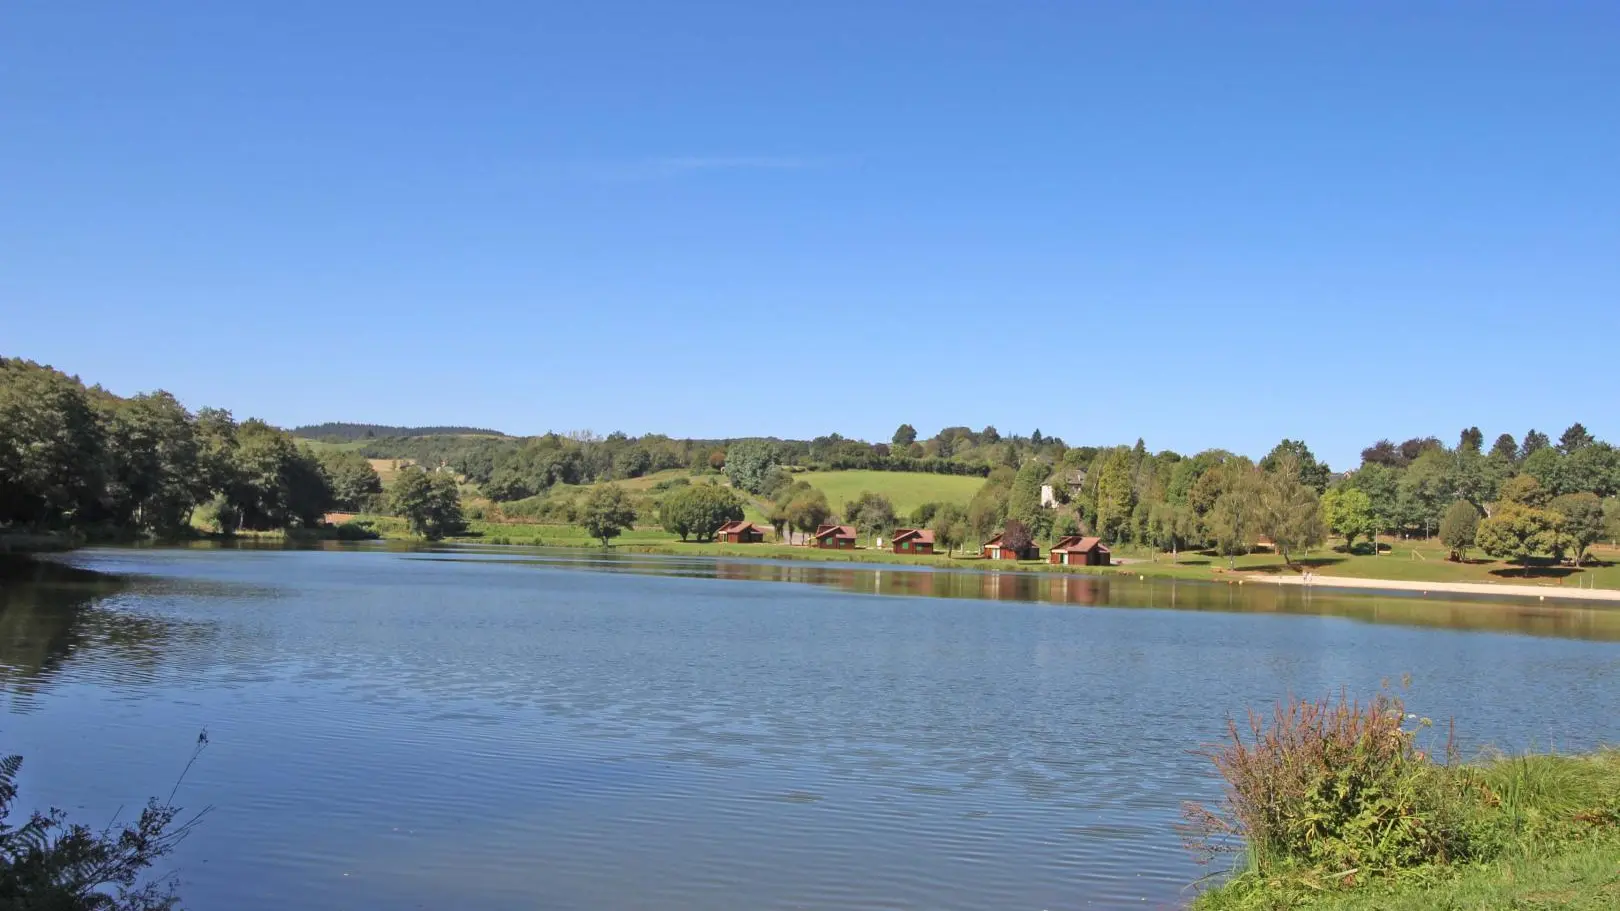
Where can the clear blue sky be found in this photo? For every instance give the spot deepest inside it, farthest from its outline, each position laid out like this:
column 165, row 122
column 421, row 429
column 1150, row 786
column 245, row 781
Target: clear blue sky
column 1201, row 226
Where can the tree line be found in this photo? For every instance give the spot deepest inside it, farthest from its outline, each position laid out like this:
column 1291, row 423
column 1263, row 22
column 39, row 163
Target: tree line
column 77, row 458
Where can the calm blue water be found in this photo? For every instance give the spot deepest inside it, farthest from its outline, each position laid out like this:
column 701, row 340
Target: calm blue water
column 563, row 730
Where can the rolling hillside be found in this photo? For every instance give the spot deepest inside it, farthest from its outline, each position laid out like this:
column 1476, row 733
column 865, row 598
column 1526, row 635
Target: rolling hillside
column 905, row 489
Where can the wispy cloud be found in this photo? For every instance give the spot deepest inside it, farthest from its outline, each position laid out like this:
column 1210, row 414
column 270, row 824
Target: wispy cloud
column 669, row 168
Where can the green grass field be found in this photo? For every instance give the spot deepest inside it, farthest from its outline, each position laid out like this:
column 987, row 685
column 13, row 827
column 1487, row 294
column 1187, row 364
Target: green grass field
column 907, row 490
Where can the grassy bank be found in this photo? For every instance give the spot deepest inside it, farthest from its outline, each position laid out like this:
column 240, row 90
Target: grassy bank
column 1419, row 561
column 1349, row 806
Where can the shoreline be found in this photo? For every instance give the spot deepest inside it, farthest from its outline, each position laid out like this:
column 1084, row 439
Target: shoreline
column 1487, row 589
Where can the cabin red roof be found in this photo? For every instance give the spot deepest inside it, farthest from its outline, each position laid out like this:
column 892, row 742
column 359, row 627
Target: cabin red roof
column 918, row 535
column 1077, row 544
column 732, row 528
column 835, row 531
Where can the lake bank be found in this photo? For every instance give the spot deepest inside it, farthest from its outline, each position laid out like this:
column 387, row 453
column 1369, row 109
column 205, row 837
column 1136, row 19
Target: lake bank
column 1472, row 589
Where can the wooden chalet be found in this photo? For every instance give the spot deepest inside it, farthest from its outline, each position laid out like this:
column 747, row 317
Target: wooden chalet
column 740, row 533
column 913, row 541
column 994, row 551
column 1078, row 550
column 834, row 537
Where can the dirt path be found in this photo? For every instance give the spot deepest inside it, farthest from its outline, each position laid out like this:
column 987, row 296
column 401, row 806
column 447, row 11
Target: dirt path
column 1541, row 592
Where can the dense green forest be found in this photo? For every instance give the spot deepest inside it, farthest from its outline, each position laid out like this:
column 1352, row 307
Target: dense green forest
column 81, row 458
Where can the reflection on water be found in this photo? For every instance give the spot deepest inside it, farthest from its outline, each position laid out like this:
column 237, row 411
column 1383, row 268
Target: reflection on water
column 455, row 727
column 1514, row 615
column 51, row 612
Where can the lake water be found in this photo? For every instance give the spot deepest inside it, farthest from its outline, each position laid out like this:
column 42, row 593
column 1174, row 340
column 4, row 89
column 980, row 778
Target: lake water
column 573, row 730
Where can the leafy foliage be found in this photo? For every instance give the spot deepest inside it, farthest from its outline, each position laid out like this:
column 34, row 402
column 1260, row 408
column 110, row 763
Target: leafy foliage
column 699, row 511
column 607, row 512
column 51, row 864
column 1581, row 516
column 1333, row 786
column 1016, row 537
column 355, row 484
column 430, row 503
column 871, row 514
column 1348, row 512
column 1458, row 528
column 1517, row 532
column 749, row 463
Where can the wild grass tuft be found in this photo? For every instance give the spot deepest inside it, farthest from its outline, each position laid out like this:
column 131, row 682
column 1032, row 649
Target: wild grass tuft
column 1335, row 796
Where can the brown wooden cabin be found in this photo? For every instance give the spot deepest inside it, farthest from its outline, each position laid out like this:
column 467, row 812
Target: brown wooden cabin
column 913, row 541
column 834, row 537
column 740, row 533
column 994, row 551
column 1077, row 550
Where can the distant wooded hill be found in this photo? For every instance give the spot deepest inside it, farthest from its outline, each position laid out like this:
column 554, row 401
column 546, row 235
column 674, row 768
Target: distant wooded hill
column 337, row 432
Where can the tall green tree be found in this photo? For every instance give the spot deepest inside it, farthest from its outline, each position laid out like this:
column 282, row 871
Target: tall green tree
column 1425, row 489
column 1519, row 533
column 51, row 447
column 1289, row 511
column 356, row 486
column 1505, row 449
column 1582, row 521
column 1458, row 528
column 1233, row 522
column 1550, row 468
column 607, row 512
column 871, row 513
column 1574, row 438
column 1348, row 512
column 275, row 484
column 1611, row 520
column 1534, row 442
column 749, row 464
column 1312, row 473
column 808, row 510
column 430, row 503
column 1381, row 484
column 1024, row 499
column 1172, row 527
column 950, row 525
column 699, row 510
column 152, row 463
column 904, row 435
column 1524, row 490
column 1116, row 495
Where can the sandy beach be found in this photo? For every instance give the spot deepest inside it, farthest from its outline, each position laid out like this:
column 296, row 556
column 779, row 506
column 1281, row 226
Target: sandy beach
column 1540, row 592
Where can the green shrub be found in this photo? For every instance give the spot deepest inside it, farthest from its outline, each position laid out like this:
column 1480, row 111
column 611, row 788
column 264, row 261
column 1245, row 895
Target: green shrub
column 1336, row 787
column 355, row 530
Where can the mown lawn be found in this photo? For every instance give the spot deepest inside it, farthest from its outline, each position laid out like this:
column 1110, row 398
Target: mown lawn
column 907, row 490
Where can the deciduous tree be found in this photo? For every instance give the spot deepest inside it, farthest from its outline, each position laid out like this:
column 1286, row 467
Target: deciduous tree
column 1348, row 512
column 749, row 463
column 1458, row 528
column 1289, row 511
column 872, row 514
column 1518, row 533
column 1015, row 536
column 904, row 435
column 1582, row 521
column 1312, row 473
column 430, row 503
column 607, row 512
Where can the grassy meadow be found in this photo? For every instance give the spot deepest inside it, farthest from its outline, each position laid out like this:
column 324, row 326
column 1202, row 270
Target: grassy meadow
column 907, row 490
